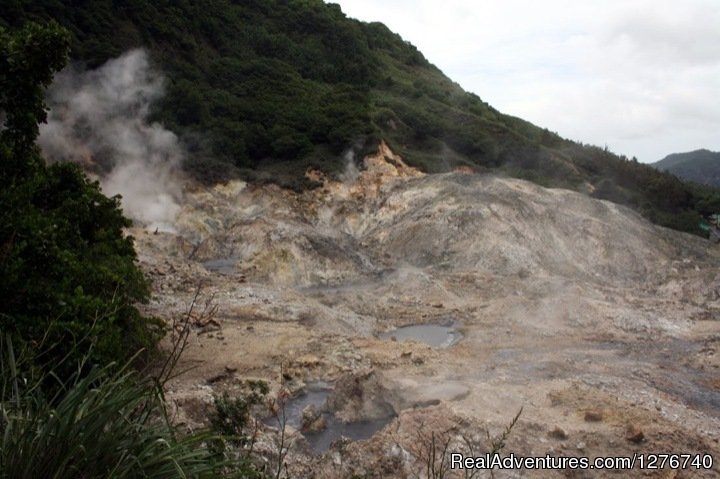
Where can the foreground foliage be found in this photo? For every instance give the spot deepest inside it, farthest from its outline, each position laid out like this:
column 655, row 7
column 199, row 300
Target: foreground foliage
column 107, row 424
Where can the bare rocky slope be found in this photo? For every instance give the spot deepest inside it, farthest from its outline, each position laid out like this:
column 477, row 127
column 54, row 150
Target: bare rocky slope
column 601, row 326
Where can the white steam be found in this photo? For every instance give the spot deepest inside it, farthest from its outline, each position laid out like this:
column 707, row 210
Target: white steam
column 351, row 173
column 99, row 118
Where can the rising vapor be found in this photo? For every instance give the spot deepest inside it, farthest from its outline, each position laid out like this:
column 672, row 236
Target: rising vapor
column 99, row 118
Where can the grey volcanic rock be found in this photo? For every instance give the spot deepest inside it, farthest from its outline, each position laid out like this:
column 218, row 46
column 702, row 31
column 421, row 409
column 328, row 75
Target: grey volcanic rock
column 507, row 226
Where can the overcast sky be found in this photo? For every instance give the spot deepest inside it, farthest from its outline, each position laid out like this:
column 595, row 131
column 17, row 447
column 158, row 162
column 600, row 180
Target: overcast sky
column 642, row 77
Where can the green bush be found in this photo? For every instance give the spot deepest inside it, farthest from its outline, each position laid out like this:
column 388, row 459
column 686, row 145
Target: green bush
column 231, row 417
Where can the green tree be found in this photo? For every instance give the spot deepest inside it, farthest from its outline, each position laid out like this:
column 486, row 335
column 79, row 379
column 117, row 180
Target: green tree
column 66, row 266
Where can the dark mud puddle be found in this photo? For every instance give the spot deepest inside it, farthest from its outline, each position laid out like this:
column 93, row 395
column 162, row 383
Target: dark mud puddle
column 316, row 395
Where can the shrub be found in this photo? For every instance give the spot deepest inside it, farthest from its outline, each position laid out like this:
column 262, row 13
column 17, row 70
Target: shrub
column 110, row 423
column 231, row 417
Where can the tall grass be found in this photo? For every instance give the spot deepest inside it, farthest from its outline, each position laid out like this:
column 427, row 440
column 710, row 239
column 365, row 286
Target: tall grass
column 110, row 423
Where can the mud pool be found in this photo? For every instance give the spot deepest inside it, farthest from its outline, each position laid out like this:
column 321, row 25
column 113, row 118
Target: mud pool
column 316, row 395
column 220, row 265
column 435, row 335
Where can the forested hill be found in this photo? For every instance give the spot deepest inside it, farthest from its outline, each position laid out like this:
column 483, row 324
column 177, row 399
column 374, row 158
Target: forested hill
column 266, row 88
column 700, row 166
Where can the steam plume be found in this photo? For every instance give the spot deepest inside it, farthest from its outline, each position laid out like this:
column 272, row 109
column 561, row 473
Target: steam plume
column 99, row 118
column 351, row 172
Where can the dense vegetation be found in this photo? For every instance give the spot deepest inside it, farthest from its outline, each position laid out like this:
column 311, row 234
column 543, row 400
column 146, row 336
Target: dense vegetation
column 699, row 166
column 66, row 267
column 266, row 88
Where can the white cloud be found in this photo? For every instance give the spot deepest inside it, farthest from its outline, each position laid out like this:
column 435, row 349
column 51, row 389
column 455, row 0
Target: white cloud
column 639, row 76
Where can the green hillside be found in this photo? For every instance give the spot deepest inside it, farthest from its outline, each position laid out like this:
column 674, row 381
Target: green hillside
column 699, row 166
column 264, row 89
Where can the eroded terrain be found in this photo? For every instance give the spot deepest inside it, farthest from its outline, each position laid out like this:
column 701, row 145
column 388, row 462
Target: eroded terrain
column 602, row 327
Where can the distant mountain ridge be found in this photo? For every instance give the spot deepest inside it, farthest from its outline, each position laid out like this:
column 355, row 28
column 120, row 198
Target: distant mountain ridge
column 700, row 166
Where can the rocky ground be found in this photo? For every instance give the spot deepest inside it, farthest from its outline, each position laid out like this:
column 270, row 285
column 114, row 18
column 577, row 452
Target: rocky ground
column 602, row 327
